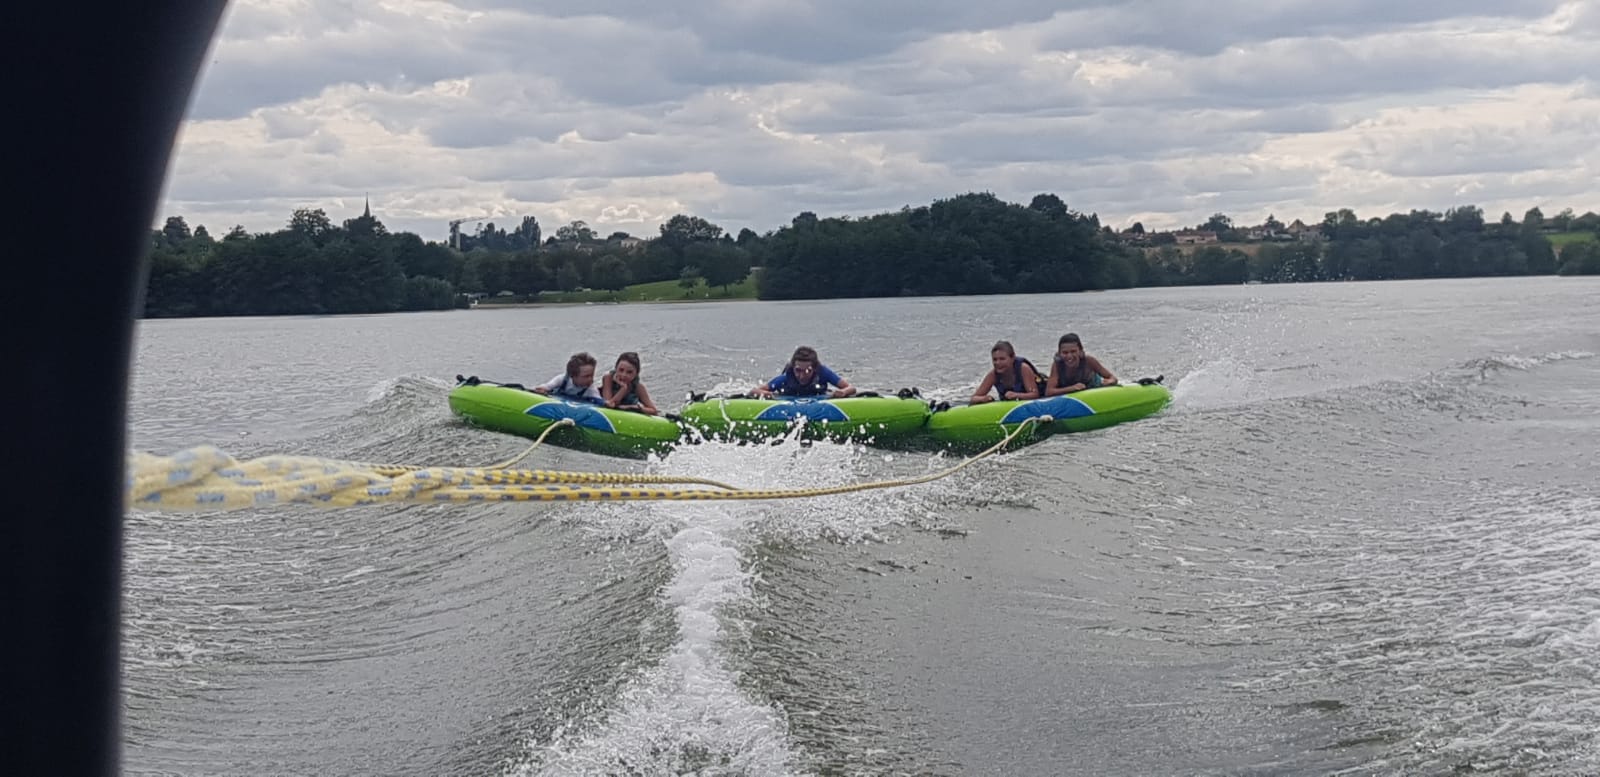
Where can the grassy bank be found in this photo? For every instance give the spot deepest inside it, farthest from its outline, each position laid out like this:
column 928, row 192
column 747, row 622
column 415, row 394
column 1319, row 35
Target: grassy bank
column 659, row 291
column 1560, row 239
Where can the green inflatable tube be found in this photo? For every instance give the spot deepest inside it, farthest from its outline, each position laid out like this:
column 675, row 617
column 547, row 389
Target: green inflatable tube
column 865, row 418
column 979, row 426
column 511, row 409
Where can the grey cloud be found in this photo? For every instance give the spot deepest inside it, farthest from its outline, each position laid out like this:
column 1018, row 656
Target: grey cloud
column 1476, row 152
column 1326, row 68
column 288, row 125
column 260, row 73
column 1208, row 28
column 814, row 31
column 665, row 93
column 475, row 130
column 1116, row 134
column 1293, row 119
column 536, row 191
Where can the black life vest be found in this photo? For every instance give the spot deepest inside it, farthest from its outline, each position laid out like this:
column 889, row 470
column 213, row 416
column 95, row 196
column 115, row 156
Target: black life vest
column 1083, row 374
column 631, row 397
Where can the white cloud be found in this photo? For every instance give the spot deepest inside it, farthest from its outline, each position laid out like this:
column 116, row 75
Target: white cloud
column 748, row 113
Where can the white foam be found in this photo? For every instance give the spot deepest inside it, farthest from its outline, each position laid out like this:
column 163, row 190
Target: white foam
column 381, row 389
column 1217, row 384
column 689, row 711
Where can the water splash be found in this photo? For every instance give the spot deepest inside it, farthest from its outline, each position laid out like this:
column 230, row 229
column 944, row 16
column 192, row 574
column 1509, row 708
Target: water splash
column 1489, row 366
column 690, row 712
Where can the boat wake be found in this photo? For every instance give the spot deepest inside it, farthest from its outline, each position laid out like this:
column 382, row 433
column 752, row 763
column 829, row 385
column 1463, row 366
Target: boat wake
column 691, row 712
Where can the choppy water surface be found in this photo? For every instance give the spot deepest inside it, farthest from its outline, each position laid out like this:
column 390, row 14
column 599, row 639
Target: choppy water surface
column 1364, row 539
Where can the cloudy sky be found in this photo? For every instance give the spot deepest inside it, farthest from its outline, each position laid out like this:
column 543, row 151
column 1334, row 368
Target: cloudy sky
column 746, row 112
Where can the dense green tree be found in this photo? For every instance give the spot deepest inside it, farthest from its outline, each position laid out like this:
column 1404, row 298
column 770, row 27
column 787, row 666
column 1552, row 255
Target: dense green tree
column 527, row 233
column 576, row 232
column 176, row 230
column 1580, row 258
column 721, row 264
column 568, row 278
column 610, row 273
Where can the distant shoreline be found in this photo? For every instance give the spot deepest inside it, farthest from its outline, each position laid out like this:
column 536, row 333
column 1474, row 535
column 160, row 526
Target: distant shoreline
column 569, row 303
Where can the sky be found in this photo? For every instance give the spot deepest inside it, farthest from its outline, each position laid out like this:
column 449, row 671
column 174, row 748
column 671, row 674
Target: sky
column 747, row 112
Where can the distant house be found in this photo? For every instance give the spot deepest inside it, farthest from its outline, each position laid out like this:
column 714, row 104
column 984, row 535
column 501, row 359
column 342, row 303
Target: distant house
column 1194, row 236
column 1300, row 231
column 1270, row 231
column 628, row 244
column 573, row 245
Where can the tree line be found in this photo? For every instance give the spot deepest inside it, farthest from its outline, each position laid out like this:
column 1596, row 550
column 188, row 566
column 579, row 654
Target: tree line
column 312, row 266
column 1457, row 243
column 973, row 243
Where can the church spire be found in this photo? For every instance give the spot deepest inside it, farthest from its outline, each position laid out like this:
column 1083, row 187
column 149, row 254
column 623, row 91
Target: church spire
column 366, row 212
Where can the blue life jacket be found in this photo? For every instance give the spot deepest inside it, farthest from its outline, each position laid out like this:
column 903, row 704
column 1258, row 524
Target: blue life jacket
column 1017, row 382
column 792, row 387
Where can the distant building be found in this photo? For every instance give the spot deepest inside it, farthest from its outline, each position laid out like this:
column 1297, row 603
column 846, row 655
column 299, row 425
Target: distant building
column 572, row 245
column 1304, row 233
column 1194, row 236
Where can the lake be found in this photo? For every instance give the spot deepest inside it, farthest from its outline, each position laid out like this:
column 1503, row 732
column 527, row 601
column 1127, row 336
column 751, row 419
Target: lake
column 1364, row 538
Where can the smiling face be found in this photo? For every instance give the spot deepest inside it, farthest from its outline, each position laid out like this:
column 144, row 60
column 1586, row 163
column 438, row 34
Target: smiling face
column 625, row 372
column 584, row 376
column 1070, row 353
column 1001, row 361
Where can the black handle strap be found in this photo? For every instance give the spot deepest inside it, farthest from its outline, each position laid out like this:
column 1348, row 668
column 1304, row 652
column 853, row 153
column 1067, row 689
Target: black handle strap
column 476, row 381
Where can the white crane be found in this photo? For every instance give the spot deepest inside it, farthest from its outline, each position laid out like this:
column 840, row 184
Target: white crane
column 455, row 229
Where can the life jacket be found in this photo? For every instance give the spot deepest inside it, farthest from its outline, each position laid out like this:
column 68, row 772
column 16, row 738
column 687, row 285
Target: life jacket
column 572, row 390
column 1017, row 383
column 794, row 388
column 632, row 396
column 1083, row 374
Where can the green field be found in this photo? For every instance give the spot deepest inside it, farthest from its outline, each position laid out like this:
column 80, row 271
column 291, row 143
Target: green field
column 659, row 291
column 1560, row 239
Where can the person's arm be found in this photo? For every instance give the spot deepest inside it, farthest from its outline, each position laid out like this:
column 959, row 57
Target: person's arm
column 645, row 405
column 1106, row 378
column 609, row 397
column 549, row 385
column 769, row 388
column 984, row 387
column 844, row 389
column 1053, row 387
column 1029, row 378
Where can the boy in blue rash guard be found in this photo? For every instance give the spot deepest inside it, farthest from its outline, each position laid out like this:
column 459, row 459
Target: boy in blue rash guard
column 576, row 383
column 805, row 376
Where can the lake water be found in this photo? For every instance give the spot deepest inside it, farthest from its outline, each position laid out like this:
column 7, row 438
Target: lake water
column 1364, row 539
